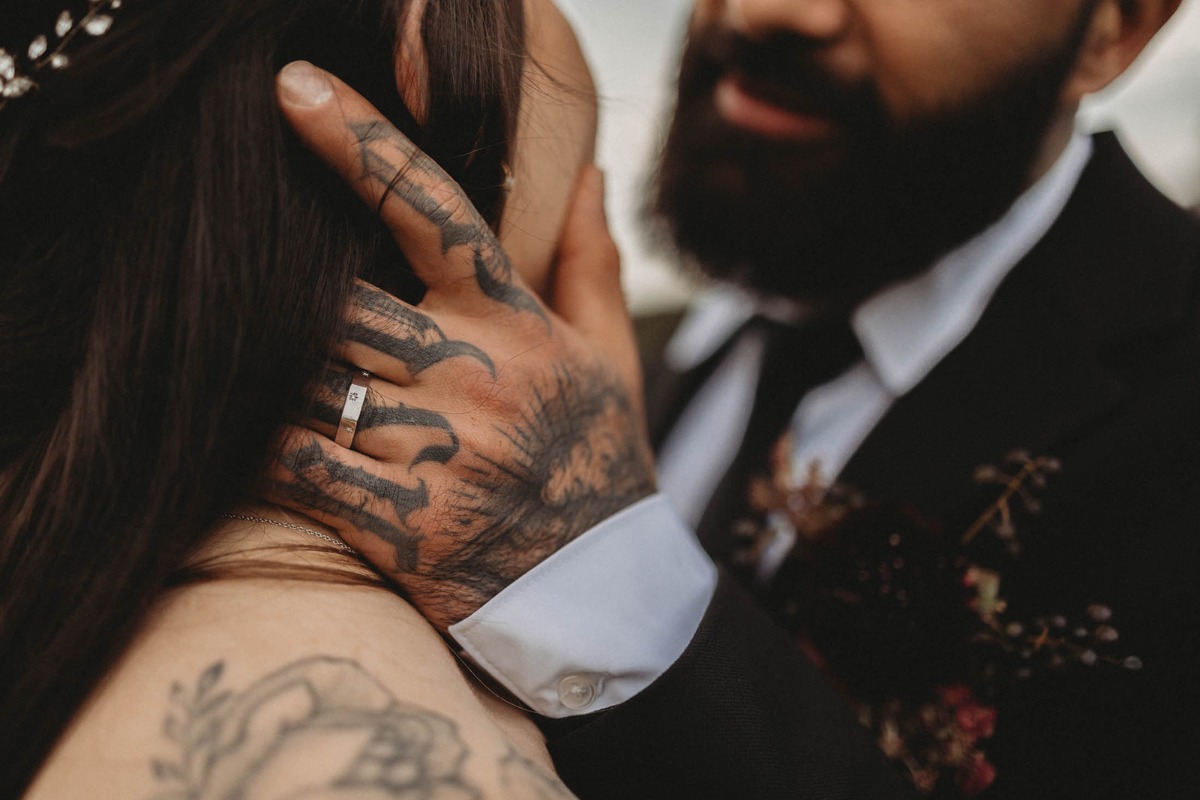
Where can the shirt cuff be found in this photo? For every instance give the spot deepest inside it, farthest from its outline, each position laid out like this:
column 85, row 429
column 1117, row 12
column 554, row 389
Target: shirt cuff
column 601, row 619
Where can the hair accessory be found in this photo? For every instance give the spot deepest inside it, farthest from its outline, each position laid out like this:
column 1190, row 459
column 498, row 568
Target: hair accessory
column 48, row 50
column 291, row 526
column 356, row 397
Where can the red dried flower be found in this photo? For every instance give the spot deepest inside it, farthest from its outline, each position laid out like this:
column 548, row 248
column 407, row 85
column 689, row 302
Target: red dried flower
column 982, row 775
column 954, row 695
column 975, row 720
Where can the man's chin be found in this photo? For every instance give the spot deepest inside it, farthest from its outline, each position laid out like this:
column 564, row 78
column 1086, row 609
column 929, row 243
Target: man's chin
column 787, row 221
column 833, row 221
column 820, row 279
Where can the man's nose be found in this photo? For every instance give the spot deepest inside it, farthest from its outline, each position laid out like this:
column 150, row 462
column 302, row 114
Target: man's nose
column 812, row 19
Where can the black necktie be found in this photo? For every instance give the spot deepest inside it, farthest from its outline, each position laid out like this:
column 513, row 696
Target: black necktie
column 796, row 359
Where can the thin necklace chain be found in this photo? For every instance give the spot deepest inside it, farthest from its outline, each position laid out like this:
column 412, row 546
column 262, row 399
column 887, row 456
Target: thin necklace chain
column 343, row 546
column 291, row 526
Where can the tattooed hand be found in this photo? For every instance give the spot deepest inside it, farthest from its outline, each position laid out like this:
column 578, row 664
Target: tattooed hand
column 495, row 430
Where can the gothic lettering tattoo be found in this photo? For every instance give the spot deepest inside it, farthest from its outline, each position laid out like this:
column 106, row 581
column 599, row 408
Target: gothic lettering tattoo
column 326, row 485
column 375, row 414
column 318, row 727
column 569, row 462
column 493, row 270
column 384, row 416
column 570, row 459
column 405, row 333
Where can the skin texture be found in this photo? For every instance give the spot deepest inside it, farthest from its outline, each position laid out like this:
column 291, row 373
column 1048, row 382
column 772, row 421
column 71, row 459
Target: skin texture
column 274, row 688
column 496, row 431
column 390, row 749
column 555, row 139
column 402, row 747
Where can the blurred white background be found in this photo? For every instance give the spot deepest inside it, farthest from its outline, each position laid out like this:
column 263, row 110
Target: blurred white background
column 633, row 48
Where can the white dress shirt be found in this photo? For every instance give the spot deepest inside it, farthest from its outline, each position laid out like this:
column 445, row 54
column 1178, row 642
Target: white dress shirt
column 599, row 621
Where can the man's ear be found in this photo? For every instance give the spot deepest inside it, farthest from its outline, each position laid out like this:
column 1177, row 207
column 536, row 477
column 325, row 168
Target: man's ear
column 1118, row 32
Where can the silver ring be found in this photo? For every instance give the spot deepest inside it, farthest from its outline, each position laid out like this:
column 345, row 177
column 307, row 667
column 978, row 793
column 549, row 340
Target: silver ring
column 356, row 398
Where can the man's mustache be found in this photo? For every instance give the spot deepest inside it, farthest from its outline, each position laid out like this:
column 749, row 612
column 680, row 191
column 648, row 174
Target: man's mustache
column 786, row 64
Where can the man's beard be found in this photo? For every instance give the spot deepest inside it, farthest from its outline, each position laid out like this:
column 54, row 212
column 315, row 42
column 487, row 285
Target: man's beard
column 835, row 221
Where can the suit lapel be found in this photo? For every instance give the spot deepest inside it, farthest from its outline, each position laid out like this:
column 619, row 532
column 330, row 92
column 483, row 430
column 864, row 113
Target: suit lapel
column 1022, row 379
column 1043, row 363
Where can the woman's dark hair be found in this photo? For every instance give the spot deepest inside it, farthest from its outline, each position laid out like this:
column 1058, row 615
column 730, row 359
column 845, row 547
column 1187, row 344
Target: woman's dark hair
column 173, row 265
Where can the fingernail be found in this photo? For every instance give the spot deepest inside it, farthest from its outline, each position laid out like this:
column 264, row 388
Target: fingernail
column 302, row 84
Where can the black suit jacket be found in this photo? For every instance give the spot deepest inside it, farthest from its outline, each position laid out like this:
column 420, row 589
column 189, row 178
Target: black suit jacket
column 1090, row 351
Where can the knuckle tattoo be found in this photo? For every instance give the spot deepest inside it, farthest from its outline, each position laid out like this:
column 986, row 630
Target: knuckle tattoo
column 541, row 454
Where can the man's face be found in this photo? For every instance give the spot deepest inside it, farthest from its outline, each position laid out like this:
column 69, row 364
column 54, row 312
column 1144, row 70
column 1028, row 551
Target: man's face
column 825, row 148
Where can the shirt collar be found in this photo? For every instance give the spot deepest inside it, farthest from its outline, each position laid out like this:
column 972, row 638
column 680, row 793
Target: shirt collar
column 717, row 315
column 907, row 328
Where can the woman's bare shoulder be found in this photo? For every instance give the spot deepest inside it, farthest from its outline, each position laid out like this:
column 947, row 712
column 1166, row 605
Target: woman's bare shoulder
column 285, row 688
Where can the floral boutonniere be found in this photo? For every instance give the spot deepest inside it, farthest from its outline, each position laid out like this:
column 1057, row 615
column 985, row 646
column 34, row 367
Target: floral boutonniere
column 909, row 619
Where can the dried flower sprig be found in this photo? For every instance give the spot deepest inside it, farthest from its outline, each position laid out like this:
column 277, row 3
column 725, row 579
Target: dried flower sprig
column 912, row 621
column 1020, row 472
column 1057, row 641
column 48, row 51
column 939, row 741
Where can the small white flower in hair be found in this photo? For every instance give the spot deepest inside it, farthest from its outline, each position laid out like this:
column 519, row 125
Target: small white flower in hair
column 16, row 80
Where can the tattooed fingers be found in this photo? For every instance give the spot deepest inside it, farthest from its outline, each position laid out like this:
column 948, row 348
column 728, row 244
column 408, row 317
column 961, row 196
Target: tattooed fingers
column 381, row 165
column 385, row 514
column 448, row 244
column 391, row 338
column 494, row 431
column 388, row 426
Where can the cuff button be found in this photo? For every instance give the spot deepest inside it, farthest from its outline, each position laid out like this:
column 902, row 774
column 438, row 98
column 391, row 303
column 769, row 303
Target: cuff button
column 577, row 692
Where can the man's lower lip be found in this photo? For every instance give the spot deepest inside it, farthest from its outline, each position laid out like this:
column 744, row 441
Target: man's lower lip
column 743, row 110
